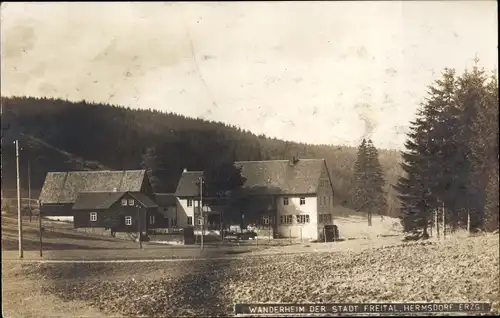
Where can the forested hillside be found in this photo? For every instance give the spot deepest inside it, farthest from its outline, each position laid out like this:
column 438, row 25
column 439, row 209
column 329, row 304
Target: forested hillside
column 122, row 138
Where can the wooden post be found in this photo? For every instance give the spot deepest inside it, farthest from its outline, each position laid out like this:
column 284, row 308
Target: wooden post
column 436, row 221
column 324, row 234
column 468, row 221
column 139, row 227
column 29, row 187
column 19, row 214
column 290, row 235
column 40, row 226
column 221, row 226
column 301, row 241
column 444, row 222
column 269, row 230
column 201, row 210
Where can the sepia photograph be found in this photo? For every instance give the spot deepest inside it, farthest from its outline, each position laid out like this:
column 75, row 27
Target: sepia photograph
column 268, row 158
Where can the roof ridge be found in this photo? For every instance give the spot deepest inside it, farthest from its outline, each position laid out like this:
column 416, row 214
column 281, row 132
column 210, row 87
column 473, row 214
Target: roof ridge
column 95, row 171
column 300, row 159
column 102, row 192
column 261, row 160
column 138, row 195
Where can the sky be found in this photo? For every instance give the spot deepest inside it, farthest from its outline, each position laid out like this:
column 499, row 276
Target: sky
column 314, row 72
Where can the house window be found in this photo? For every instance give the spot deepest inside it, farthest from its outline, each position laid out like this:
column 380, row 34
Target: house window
column 128, row 220
column 189, row 202
column 93, row 216
column 302, row 201
column 265, row 220
column 286, row 219
column 151, row 219
column 190, row 220
column 131, row 202
column 303, row 218
column 124, row 202
column 285, row 201
column 199, row 221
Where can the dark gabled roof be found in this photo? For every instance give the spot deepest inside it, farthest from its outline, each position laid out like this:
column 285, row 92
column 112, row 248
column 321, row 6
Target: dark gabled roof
column 144, row 199
column 281, row 176
column 165, row 199
column 64, row 187
column 104, row 200
column 188, row 185
column 96, row 200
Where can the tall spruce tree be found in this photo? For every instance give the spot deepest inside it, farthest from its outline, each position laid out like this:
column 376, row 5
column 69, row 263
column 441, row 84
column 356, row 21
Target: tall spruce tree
column 414, row 187
column 489, row 118
column 376, row 181
column 452, row 152
column 491, row 217
column 429, row 157
column 360, row 199
column 369, row 181
column 478, row 102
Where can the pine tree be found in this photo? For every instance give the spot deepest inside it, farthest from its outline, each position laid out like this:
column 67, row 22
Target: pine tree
column 360, row 199
column 491, row 217
column 429, row 159
column 369, row 181
column 415, row 186
column 472, row 103
column 483, row 145
column 376, row 181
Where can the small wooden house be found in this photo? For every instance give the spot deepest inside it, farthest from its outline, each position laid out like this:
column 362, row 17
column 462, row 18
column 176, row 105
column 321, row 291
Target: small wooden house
column 119, row 211
column 61, row 189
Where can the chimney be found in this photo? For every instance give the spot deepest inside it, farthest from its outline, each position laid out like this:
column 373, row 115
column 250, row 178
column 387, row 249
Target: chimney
column 185, row 170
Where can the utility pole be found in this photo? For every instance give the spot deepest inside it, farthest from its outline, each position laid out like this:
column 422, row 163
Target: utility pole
column 40, row 226
column 468, row 221
column 444, row 221
column 139, row 227
column 201, row 210
column 29, row 186
column 436, row 222
column 19, row 214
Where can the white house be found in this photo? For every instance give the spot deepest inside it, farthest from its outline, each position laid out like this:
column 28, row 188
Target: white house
column 293, row 198
column 188, row 197
column 188, row 201
column 285, row 198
